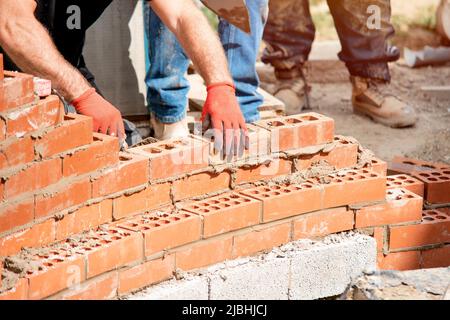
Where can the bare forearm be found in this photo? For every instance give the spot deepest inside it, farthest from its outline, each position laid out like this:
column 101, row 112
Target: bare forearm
column 29, row 45
column 198, row 39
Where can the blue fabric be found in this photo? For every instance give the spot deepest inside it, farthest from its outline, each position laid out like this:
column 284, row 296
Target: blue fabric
column 167, row 87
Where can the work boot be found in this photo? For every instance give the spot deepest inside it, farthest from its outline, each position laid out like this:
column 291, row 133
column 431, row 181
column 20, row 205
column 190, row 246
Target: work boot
column 372, row 98
column 294, row 93
column 166, row 131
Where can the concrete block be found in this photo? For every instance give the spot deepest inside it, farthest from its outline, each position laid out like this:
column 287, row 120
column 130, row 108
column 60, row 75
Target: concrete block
column 261, row 280
column 326, row 270
column 194, row 288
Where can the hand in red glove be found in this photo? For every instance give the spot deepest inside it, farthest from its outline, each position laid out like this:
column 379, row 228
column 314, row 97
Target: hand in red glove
column 222, row 112
column 107, row 119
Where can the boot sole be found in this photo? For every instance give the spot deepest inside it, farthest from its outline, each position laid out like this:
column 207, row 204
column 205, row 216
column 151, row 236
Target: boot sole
column 387, row 122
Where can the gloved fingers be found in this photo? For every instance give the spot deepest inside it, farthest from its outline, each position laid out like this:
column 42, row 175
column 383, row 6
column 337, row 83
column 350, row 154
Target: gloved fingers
column 228, row 137
column 121, row 133
column 218, row 135
column 113, row 129
column 237, row 140
column 244, row 133
column 103, row 129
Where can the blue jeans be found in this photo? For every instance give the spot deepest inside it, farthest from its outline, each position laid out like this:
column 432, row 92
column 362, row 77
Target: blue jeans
column 167, row 86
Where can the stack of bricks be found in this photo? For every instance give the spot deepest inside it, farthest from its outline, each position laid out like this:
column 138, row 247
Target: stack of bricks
column 81, row 220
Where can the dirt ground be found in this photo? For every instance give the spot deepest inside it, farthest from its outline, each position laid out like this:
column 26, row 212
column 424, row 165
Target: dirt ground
column 428, row 140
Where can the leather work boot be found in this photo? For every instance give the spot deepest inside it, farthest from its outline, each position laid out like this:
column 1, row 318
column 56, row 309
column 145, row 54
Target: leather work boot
column 372, row 99
column 165, row 131
column 293, row 94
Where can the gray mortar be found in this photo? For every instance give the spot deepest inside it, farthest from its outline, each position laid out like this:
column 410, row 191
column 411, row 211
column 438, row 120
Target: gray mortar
column 304, row 269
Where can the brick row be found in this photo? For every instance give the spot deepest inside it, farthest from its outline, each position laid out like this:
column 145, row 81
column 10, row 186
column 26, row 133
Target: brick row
column 17, row 90
column 403, row 165
column 437, row 185
column 16, row 152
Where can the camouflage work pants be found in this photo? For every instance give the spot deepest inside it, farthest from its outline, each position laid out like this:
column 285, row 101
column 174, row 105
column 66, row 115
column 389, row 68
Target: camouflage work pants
column 290, row 33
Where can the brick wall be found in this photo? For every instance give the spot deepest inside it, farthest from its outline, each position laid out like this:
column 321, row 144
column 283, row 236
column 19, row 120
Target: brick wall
column 98, row 223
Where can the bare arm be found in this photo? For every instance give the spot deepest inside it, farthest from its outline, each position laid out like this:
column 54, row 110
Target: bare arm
column 29, row 45
column 196, row 36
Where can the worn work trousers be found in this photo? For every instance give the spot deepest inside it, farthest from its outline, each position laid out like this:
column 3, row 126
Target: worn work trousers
column 363, row 27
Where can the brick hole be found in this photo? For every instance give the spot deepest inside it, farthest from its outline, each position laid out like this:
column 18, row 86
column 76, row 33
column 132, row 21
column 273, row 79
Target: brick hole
column 175, row 219
column 57, row 261
column 123, row 158
column 168, row 146
column 428, row 219
column 234, row 196
column 293, row 121
column 409, row 162
column 96, row 139
column 398, row 183
column 105, row 241
column 185, row 215
column 441, row 217
column 204, row 204
column 266, row 195
column 436, row 174
column 215, row 208
column 446, row 172
column 402, row 177
column 214, row 202
column 409, row 196
column 344, row 142
column 267, row 189
column 373, row 175
column 235, row 203
column 164, row 221
column 224, row 199
column 204, row 210
column 349, row 179
column 409, row 181
column 195, row 207
column 224, row 205
column 390, row 179
column 309, row 118
column 275, row 124
column 116, row 238
column 374, row 161
column 428, row 166
column 307, row 186
column 275, row 193
column 444, row 178
column 245, row 200
column 432, row 179
column 287, row 191
column 366, row 171
column 426, row 175
column 254, row 192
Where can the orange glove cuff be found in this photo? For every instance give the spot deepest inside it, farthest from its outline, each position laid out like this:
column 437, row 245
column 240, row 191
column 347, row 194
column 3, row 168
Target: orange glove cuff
column 221, row 84
column 83, row 97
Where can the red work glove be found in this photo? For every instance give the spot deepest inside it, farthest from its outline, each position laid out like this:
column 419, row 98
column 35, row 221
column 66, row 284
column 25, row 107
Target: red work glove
column 107, row 119
column 222, row 112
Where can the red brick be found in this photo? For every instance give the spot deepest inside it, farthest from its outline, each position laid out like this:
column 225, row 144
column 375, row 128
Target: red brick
column 16, row 90
column 146, row 274
column 402, row 165
column 16, row 152
column 260, row 239
column 165, row 229
column 299, row 131
column 103, row 152
column 151, row 198
column 281, row 201
column 37, row 176
column 322, row 223
column 84, row 219
column 46, row 113
column 19, row 292
column 258, row 143
column 204, row 253
column 352, row 187
column 409, row 183
column 380, row 234
column 103, row 287
column 401, row 261
column 401, row 206
column 38, row 235
column 227, row 212
column 76, row 131
column 378, row 166
column 174, row 157
column 58, row 271
column 344, row 154
column 13, row 215
column 253, row 173
column 62, row 197
column 2, row 129
column 132, row 171
column 1, row 67
column 437, row 185
column 434, row 229
column 111, row 248
column 200, row 184
column 436, row 258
